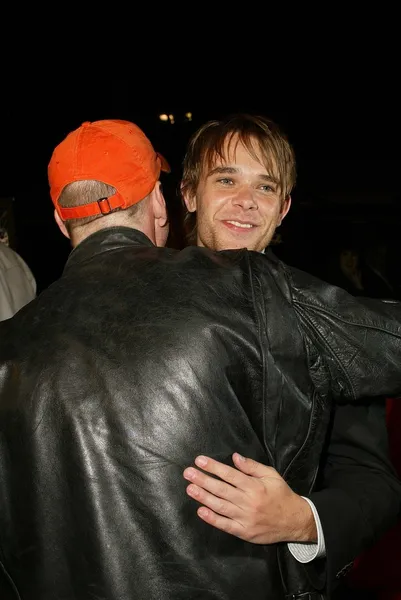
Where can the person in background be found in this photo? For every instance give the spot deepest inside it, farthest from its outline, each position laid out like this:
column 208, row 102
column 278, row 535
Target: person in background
column 17, row 283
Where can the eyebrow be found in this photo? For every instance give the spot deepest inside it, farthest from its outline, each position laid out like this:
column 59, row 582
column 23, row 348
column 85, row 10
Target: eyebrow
column 233, row 171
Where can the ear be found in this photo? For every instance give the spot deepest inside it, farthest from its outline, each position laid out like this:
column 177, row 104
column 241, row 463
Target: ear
column 190, row 201
column 61, row 224
column 285, row 208
column 159, row 205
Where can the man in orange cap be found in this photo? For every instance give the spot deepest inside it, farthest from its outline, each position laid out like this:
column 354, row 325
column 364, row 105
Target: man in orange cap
column 138, row 359
column 120, row 153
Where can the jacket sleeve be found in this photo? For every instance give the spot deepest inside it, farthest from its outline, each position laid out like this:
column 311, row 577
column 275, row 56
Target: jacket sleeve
column 359, row 339
column 358, row 495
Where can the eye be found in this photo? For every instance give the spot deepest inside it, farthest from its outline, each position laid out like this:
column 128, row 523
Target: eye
column 225, row 181
column 266, row 187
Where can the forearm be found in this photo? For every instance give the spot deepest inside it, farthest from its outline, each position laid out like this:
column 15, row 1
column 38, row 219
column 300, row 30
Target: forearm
column 313, row 546
column 300, row 523
column 359, row 339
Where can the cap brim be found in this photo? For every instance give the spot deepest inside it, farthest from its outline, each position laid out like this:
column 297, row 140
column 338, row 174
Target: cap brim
column 163, row 163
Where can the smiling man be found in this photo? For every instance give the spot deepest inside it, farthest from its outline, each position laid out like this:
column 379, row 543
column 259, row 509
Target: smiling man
column 237, row 179
column 238, row 175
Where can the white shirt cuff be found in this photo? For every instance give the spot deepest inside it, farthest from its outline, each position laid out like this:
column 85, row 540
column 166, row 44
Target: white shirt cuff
column 307, row 551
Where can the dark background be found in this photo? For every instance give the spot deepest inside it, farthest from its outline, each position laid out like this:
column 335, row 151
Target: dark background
column 345, row 134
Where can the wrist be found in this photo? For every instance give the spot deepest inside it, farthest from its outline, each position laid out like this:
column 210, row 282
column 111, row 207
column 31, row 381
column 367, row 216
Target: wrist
column 302, row 522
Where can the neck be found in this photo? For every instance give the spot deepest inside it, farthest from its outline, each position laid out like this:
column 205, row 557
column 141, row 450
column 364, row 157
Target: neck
column 79, row 234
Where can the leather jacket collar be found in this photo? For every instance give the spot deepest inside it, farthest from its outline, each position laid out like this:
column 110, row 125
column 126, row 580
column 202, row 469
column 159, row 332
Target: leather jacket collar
column 104, row 240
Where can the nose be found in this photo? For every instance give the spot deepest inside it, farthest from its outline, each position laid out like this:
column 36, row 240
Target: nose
column 245, row 198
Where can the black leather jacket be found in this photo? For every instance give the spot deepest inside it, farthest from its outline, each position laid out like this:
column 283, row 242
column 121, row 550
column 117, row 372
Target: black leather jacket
column 135, row 361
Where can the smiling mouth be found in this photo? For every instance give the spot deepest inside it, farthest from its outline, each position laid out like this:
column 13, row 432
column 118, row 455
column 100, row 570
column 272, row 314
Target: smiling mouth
column 240, row 225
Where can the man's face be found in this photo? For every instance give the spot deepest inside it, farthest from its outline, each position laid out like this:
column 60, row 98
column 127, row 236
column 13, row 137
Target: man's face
column 238, row 203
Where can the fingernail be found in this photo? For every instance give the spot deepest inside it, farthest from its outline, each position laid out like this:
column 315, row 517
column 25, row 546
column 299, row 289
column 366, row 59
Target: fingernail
column 189, row 473
column 193, row 490
column 203, row 512
column 201, row 461
column 240, row 457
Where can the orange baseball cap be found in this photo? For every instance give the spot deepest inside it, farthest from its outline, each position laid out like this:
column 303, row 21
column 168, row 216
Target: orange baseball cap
column 115, row 152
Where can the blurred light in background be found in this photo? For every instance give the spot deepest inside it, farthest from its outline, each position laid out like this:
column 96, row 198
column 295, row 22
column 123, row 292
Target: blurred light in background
column 171, row 118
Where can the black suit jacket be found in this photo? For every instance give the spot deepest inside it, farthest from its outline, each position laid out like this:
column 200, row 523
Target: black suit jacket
column 350, row 492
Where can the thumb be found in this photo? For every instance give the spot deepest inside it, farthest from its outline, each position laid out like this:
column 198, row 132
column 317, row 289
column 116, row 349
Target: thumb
column 252, row 467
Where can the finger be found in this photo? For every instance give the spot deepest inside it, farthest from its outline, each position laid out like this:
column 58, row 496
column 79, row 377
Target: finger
column 223, row 523
column 216, row 504
column 216, row 487
column 224, row 472
column 252, row 467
